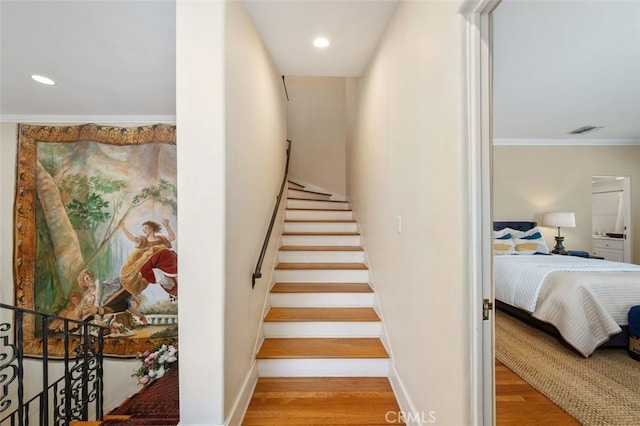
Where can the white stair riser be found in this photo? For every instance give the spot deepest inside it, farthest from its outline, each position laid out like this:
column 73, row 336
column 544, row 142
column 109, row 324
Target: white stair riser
column 321, row 276
column 303, row 256
column 323, row 367
column 320, row 227
column 312, row 204
column 322, row 329
column 297, row 193
column 321, row 300
column 321, row 240
column 319, row 214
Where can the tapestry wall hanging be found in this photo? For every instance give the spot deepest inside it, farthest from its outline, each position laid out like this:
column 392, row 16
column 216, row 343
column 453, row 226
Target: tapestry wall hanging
column 95, row 234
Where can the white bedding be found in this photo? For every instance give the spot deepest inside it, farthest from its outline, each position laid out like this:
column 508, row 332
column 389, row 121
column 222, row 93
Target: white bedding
column 585, row 299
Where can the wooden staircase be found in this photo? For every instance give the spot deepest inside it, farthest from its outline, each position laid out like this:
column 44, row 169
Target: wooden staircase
column 321, row 322
column 321, row 331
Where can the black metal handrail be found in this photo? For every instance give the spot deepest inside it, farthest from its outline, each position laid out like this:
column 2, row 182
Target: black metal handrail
column 77, row 395
column 258, row 271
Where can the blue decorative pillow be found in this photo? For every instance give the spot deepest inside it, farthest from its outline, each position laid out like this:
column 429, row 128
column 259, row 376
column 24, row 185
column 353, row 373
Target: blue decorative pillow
column 503, row 234
column 530, row 242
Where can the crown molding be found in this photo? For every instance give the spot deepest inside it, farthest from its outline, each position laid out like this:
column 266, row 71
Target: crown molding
column 565, row 142
column 47, row 119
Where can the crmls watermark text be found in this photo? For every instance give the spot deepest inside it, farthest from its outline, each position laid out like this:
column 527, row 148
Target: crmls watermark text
column 420, row 417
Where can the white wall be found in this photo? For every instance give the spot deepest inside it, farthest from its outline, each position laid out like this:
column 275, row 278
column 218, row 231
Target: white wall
column 255, row 158
column 9, row 144
column 200, row 119
column 406, row 159
column 316, row 125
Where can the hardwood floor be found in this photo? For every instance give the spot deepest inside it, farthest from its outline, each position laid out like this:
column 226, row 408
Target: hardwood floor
column 322, row 401
column 517, row 403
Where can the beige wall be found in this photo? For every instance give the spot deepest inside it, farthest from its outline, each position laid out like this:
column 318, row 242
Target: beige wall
column 255, row 158
column 200, row 117
column 316, row 125
column 406, row 159
column 231, row 120
column 529, row 181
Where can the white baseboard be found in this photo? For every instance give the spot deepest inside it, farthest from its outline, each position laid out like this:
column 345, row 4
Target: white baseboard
column 402, row 396
column 243, row 399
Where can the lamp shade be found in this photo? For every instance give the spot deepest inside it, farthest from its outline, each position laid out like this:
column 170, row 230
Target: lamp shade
column 560, row 219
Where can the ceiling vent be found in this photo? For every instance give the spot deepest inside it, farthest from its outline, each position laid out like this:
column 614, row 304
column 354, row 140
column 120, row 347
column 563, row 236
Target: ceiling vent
column 585, row 129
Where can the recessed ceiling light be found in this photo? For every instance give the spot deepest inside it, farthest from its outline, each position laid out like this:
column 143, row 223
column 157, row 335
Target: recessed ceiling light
column 43, row 80
column 321, row 42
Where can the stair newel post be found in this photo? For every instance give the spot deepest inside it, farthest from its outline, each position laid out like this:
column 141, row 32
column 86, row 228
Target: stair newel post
column 67, row 373
column 19, row 356
column 44, row 403
column 99, row 377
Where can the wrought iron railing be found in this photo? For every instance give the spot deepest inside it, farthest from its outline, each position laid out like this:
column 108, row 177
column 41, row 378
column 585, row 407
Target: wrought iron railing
column 258, row 271
column 77, row 394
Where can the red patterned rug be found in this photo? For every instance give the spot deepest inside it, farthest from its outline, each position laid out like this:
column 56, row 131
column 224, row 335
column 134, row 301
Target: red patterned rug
column 156, row 404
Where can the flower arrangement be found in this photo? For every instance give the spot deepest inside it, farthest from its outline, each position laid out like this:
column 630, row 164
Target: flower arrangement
column 155, row 362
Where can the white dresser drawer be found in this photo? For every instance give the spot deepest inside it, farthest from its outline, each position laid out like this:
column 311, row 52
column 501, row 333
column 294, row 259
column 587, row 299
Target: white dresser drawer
column 612, row 244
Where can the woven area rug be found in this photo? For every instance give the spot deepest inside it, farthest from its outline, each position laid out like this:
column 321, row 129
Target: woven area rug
column 603, row 389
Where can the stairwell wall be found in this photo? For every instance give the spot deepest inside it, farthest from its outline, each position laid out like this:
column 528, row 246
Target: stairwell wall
column 256, row 136
column 406, row 160
column 316, row 125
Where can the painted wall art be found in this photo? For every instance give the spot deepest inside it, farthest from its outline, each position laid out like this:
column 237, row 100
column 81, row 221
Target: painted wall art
column 95, row 234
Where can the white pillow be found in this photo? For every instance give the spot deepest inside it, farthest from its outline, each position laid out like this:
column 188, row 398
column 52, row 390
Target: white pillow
column 503, row 246
column 530, row 242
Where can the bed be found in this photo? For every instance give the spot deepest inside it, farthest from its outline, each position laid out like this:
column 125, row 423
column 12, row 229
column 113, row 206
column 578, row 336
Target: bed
column 584, row 300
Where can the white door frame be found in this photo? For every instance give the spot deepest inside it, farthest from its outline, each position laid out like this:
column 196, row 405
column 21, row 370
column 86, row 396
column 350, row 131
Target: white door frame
column 477, row 45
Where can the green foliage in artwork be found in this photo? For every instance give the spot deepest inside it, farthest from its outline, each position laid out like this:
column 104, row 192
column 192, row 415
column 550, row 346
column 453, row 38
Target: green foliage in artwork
column 48, row 291
column 90, row 213
column 164, row 307
column 165, row 193
column 86, row 205
column 170, row 331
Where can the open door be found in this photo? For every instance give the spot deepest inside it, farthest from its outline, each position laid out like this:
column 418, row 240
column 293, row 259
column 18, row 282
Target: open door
column 477, row 14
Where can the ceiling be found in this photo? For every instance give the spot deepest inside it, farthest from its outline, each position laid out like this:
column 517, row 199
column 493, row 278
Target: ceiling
column 561, row 65
column 557, row 65
column 117, row 58
column 108, row 58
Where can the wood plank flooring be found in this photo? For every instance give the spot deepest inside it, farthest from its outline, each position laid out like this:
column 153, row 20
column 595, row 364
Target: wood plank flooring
column 323, row 266
column 322, row 401
column 322, row 348
column 321, row 314
column 519, row 404
column 321, row 288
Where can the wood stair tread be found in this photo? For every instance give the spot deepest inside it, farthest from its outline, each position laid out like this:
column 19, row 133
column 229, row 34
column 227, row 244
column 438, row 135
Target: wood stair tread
column 308, row 191
column 322, row 233
column 320, row 201
column 313, row 348
column 321, row 315
column 322, row 266
column 321, row 248
column 322, row 401
column 320, row 221
column 321, row 288
column 289, row 209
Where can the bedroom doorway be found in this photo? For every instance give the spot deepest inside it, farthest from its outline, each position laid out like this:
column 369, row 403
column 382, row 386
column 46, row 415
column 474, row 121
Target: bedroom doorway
column 611, row 217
